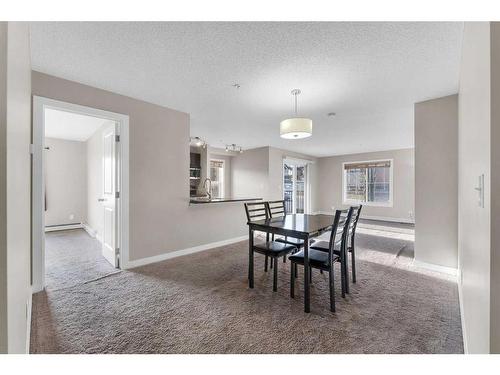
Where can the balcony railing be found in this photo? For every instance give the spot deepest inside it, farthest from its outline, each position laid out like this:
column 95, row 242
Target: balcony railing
column 299, row 202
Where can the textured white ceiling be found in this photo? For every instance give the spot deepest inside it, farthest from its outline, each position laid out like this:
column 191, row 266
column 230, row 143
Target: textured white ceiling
column 370, row 74
column 70, row 126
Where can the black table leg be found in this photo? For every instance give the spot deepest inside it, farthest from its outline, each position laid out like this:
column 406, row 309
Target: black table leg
column 306, row 276
column 250, row 258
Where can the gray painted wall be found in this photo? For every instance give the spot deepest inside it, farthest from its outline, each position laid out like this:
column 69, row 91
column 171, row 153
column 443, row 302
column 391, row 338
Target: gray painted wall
column 329, row 186
column 436, row 181
column 259, row 172
column 250, row 173
column 161, row 219
column 15, row 218
column 65, row 181
column 474, row 159
column 3, row 188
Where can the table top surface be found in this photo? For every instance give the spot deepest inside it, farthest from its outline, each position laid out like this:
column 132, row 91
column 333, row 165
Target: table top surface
column 303, row 223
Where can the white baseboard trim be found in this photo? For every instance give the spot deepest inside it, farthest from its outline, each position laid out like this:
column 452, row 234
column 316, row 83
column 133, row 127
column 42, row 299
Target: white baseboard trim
column 379, row 218
column 391, row 219
column 92, row 232
column 462, row 313
column 321, row 213
column 178, row 253
column 434, row 267
column 29, row 305
column 63, row 227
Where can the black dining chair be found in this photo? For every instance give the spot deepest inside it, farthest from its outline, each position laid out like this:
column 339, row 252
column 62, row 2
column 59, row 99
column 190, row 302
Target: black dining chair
column 272, row 249
column 277, row 209
column 325, row 261
column 323, row 245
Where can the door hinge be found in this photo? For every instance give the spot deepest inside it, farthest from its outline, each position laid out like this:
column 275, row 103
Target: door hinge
column 117, row 194
column 117, row 138
column 117, row 256
column 32, row 148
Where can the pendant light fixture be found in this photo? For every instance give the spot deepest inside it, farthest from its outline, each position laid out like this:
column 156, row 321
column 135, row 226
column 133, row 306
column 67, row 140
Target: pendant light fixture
column 296, row 127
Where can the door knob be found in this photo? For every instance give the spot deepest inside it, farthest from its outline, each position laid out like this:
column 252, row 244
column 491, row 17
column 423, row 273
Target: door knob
column 101, row 199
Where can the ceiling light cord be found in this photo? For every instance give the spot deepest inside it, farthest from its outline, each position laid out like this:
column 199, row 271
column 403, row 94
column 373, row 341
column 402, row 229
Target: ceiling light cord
column 295, row 93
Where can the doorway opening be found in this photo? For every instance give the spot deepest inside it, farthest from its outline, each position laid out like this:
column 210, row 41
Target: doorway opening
column 295, row 186
column 80, row 193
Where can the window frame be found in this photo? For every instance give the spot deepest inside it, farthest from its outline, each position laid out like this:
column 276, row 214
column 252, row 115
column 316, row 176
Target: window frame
column 223, row 177
column 295, row 162
column 389, row 203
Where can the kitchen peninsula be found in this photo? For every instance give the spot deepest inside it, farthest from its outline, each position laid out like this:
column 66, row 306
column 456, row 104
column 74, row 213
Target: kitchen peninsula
column 203, row 200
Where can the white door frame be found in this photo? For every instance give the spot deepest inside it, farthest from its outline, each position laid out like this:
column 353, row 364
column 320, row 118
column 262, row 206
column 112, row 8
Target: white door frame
column 38, row 186
column 307, row 197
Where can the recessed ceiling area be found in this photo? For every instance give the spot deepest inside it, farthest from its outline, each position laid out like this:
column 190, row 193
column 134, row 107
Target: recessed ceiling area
column 369, row 74
column 70, row 126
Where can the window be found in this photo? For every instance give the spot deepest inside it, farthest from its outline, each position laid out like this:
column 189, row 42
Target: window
column 295, row 192
column 369, row 183
column 217, row 177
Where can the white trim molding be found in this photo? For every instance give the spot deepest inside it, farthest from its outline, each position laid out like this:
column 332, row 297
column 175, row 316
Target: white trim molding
column 38, row 217
column 435, row 267
column 29, row 307
column 388, row 204
column 378, row 218
column 462, row 312
column 92, row 232
column 297, row 161
column 391, row 219
column 55, row 228
column 178, row 253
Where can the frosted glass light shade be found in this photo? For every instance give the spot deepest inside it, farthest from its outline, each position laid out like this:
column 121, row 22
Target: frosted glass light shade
column 296, row 128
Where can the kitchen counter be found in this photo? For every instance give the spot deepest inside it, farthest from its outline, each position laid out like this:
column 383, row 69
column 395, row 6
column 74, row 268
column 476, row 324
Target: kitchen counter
column 203, row 200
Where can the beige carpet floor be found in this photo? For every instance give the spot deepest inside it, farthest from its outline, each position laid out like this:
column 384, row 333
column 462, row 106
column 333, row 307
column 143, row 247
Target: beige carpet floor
column 201, row 304
column 72, row 257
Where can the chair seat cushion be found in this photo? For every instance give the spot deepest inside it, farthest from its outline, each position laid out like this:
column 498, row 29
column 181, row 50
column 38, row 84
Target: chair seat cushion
column 273, row 248
column 321, row 245
column 316, row 258
column 291, row 241
column 324, row 246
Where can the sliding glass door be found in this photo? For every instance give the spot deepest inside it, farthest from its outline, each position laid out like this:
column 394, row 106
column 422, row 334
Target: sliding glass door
column 295, row 187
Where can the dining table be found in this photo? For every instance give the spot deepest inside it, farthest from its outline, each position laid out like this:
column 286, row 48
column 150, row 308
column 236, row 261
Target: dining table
column 301, row 226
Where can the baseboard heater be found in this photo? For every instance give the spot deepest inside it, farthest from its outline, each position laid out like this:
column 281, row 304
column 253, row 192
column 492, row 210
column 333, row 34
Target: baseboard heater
column 52, row 228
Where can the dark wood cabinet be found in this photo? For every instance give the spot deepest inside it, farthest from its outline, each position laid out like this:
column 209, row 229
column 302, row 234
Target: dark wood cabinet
column 194, row 160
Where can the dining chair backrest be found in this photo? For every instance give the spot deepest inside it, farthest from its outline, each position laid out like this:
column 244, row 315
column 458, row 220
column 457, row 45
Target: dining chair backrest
column 276, row 208
column 340, row 231
column 356, row 213
column 256, row 211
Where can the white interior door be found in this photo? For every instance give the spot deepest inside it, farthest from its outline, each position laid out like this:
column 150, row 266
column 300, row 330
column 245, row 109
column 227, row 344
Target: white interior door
column 109, row 196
